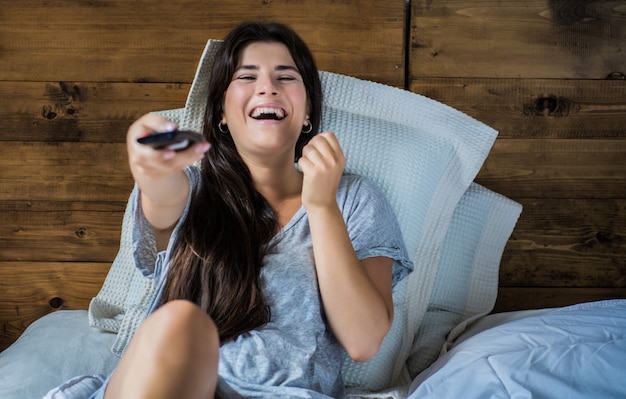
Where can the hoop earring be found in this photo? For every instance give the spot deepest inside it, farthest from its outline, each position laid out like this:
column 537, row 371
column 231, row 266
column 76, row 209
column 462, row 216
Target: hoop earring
column 222, row 128
column 309, row 126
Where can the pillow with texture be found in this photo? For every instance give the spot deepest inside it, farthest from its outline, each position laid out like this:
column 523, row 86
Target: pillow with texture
column 466, row 284
column 424, row 155
column 53, row 349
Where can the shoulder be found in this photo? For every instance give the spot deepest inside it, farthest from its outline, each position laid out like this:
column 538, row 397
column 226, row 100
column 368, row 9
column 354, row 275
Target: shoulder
column 357, row 186
column 352, row 182
column 356, row 192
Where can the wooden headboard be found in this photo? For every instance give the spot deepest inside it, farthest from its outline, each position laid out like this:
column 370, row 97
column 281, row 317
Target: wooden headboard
column 548, row 75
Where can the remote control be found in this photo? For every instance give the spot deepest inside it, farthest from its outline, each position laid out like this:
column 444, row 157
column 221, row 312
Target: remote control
column 176, row 140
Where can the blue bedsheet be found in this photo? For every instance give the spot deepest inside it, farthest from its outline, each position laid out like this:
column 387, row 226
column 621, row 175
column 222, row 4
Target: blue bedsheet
column 572, row 352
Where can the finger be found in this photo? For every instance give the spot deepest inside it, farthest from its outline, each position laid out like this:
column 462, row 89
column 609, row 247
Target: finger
column 305, row 165
column 144, row 159
column 317, row 149
column 166, row 161
column 143, row 126
column 312, row 152
column 328, row 145
column 192, row 154
column 325, row 152
column 331, row 140
column 150, row 123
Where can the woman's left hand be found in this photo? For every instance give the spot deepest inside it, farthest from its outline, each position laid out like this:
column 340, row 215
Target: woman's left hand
column 356, row 294
column 322, row 164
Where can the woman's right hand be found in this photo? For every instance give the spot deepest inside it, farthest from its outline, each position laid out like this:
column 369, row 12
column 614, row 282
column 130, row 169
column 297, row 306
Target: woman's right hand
column 148, row 163
column 159, row 174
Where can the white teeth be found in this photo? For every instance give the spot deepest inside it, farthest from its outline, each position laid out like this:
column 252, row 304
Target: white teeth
column 278, row 112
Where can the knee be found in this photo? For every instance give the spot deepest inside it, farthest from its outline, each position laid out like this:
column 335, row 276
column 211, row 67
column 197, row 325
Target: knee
column 181, row 312
column 176, row 349
column 183, row 326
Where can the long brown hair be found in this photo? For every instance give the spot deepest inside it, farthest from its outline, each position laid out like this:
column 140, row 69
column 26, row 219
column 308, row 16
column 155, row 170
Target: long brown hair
column 219, row 254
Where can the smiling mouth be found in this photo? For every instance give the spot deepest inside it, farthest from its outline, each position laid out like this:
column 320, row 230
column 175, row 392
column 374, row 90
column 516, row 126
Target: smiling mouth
column 268, row 113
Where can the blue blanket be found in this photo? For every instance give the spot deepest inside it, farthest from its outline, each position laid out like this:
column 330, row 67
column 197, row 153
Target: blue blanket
column 572, row 352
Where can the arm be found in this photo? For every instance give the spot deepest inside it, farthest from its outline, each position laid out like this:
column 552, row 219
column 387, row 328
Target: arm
column 159, row 174
column 356, row 294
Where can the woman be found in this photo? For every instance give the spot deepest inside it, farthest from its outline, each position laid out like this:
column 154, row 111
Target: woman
column 266, row 270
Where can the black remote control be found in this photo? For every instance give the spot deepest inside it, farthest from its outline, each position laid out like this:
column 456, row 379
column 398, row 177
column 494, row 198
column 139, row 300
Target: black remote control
column 176, row 140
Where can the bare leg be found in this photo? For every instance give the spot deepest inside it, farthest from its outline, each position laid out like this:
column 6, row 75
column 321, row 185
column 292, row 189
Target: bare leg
column 174, row 354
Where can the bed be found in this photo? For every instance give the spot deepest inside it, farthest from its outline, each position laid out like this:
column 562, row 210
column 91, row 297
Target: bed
column 571, row 352
column 444, row 343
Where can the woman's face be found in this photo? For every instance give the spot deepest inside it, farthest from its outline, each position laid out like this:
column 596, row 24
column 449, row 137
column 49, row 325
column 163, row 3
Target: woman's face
column 265, row 105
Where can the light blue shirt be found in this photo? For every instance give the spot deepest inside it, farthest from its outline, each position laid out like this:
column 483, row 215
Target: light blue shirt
column 295, row 355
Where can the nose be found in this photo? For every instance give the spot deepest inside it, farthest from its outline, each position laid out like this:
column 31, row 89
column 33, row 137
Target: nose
column 266, row 86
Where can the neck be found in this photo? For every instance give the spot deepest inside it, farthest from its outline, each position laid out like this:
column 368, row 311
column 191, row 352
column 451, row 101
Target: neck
column 277, row 184
column 281, row 185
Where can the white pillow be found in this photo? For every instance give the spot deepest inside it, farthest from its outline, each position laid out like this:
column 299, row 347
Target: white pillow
column 467, row 277
column 465, row 286
column 53, row 349
column 424, row 155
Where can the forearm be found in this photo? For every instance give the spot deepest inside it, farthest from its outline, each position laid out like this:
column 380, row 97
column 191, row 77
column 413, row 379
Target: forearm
column 163, row 201
column 356, row 295
column 357, row 311
column 160, row 175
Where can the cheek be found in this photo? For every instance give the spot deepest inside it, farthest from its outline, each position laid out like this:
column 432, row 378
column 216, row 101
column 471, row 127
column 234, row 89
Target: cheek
column 305, row 104
column 233, row 103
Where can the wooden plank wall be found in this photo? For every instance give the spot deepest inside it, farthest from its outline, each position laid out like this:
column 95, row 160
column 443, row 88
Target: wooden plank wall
column 75, row 74
column 547, row 74
column 550, row 77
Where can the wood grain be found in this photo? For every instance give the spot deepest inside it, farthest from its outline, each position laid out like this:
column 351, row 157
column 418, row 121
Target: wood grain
column 514, row 298
column 74, row 75
column 535, row 108
column 148, row 41
column 80, row 111
column 554, row 168
column 31, row 290
column 578, row 243
column 511, row 39
column 551, row 78
column 64, row 171
column 79, row 231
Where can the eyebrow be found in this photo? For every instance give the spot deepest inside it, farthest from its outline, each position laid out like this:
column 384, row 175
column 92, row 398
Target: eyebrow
column 277, row 68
